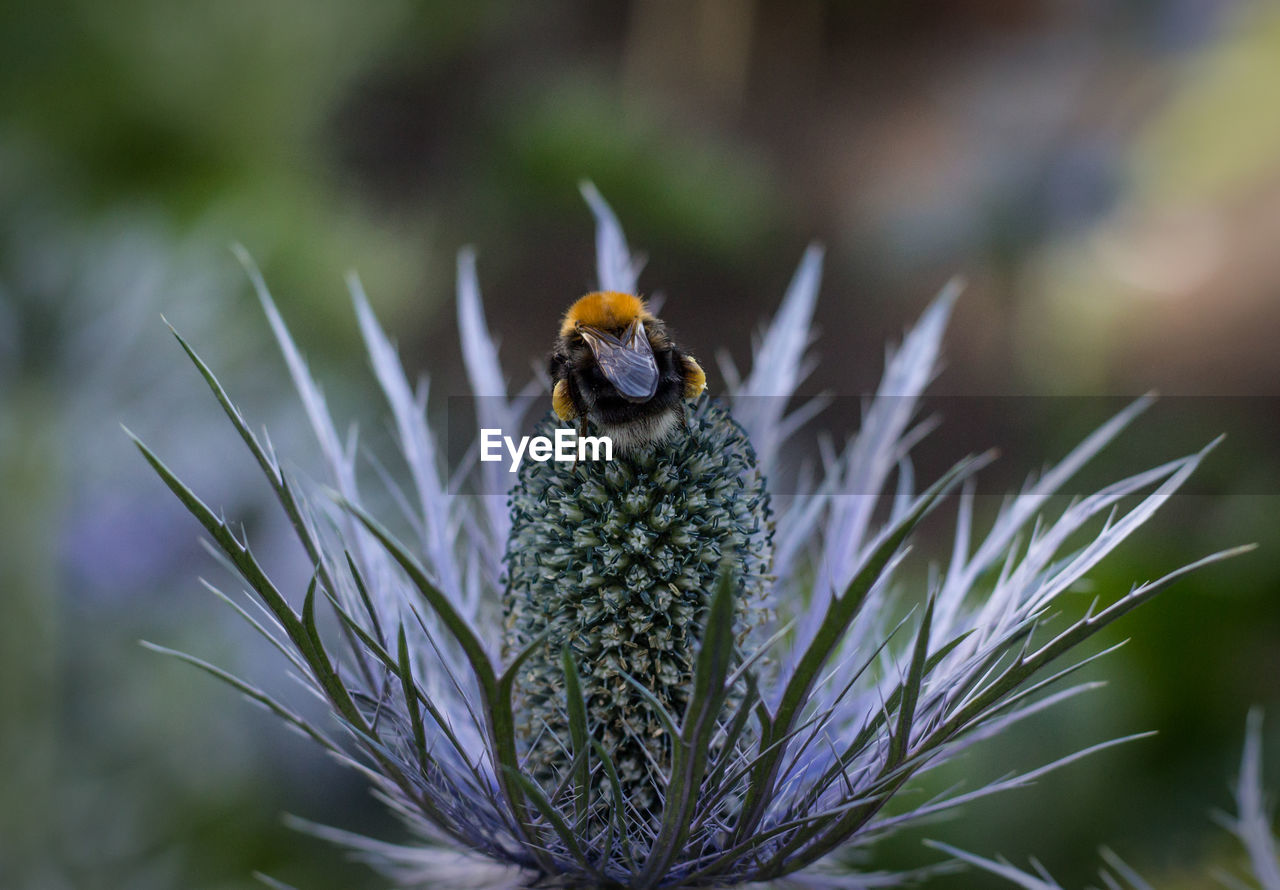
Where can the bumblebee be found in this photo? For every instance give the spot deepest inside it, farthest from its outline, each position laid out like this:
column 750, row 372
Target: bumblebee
column 614, row 365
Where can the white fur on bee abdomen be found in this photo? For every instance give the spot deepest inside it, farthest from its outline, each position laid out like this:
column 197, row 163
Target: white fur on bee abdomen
column 636, row 434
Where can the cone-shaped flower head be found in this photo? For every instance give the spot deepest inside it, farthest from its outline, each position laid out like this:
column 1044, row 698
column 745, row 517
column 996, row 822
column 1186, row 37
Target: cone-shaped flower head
column 617, row 561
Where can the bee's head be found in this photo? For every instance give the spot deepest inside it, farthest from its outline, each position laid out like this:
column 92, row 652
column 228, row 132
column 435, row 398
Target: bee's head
column 612, row 326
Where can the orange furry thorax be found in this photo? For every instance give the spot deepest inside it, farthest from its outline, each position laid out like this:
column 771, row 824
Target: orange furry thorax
column 604, row 310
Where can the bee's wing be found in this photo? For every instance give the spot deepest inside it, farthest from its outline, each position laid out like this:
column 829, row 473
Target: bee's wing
column 627, row 363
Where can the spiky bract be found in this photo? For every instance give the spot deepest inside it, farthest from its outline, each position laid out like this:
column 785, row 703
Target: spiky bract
column 617, row 560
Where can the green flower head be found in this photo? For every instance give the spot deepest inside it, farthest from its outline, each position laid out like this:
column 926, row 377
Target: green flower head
column 616, row 560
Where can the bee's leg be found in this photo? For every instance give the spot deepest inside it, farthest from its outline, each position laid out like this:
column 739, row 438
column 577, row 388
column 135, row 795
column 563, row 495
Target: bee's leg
column 582, row 426
column 684, row 419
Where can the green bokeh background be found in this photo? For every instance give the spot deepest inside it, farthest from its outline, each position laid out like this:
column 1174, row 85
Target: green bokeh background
column 1106, row 177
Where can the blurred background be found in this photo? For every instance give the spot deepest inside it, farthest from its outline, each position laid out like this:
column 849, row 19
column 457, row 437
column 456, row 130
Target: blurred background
column 1106, row 175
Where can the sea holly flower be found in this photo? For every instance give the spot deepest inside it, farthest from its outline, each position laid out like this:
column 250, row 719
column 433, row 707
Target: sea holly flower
column 606, row 680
